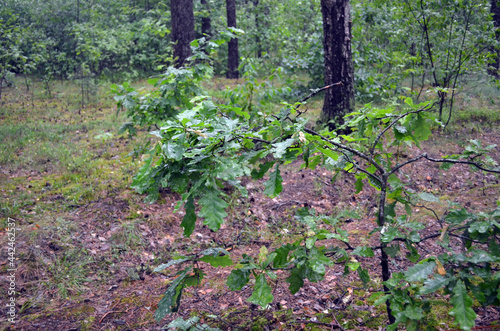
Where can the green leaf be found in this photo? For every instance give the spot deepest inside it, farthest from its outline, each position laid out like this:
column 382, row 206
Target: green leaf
column 428, row 197
column 170, row 263
column 238, row 111
column 380, row 299
column 395, row 182
column 262, row 292
column 414, row 312
column 481, row 227
column 271, row 275
column 174, row 150
column 389, row 233
column 170, row 301
column 189, row 324
column 414, row 236
column 400, row 129
column 263, row 168
column 434, row 284
column 282, row 255
column 363, row 251
column 329, row 153
column 189, row 219
column 462, row 303
column 421, row 128
column 218, row 261
column 213, row 209
column 412, row 254
column 279, row 149
column 353, row 266
column 480, row 256
column 237, row 279
column 358, row 185
column 194, row 278
column 457, row 216
column 141, row 181
column 296, row 280
column 392, row 250
column 313, row 162
column 263, row 254
column 420, row 271
column 446, row 166
column 182, row 324
column 273, row 186
column 364, row 276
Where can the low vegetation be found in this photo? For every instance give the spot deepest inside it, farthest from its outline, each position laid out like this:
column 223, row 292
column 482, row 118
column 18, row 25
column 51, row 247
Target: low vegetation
column 88, row 243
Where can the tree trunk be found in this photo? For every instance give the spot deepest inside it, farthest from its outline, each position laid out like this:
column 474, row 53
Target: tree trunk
column 182, row 29
column 495, row 66
column 232, row 55
column 206, row 23
column 339, row 67
column 258, row 24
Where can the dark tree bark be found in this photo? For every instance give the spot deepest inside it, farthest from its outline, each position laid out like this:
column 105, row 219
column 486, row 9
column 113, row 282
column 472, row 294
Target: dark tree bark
column 232, row 56
column 182, row 29
column 339, row 67
column 495, row 11
column 257, row 28
column 206, row 22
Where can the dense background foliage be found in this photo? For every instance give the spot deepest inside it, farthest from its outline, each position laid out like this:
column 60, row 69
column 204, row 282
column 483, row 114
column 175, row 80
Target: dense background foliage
column 395, row 43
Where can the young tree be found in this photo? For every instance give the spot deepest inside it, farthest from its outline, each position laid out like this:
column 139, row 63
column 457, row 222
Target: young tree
column 232, row 56
column 339, row 100
column 182, row 29
column 11, row 57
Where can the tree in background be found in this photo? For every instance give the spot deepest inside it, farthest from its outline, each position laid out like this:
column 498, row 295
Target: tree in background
column 495, row 12
column 206, row 22
column 182, row 29
column 232, row 54
column 339, row 100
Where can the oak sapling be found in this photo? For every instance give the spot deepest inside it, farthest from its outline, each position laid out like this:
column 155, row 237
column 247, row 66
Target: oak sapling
column 238, row 140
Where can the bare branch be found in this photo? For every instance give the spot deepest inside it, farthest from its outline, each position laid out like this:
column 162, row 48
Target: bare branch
column 347, row 148
column 379, row 136
column 316, row 91
column 399, row 166
column 475, row 164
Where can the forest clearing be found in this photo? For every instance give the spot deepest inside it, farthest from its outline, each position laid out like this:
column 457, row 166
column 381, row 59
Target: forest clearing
column 196, row 165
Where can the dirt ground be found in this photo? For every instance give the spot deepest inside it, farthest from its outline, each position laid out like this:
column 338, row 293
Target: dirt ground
column 121, row 291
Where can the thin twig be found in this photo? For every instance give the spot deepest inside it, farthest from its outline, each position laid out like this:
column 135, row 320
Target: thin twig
column 379, row 136
column 475, row 164
column 316, row 91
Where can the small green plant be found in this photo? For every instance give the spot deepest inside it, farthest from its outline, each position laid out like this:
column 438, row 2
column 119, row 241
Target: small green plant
column 68, row 273
column 191, row 324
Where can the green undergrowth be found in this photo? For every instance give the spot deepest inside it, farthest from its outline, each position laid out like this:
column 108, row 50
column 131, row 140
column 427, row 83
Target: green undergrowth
column 57, row 156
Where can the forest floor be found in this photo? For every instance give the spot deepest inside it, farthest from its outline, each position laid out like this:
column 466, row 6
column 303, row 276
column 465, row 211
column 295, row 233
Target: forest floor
column 86, row 244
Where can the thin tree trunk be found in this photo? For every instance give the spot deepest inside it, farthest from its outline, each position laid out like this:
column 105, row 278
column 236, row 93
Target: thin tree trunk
column 384, row 258
column 232, row 56
column 339, row 100
column 206, row 22
column 257, row 28
column 182, row 29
